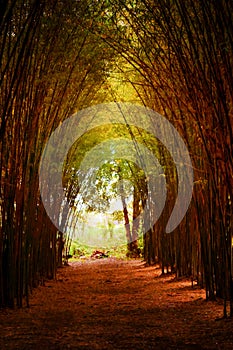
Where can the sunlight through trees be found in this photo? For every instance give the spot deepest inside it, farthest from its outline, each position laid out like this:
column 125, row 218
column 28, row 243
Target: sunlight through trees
column 59, row 57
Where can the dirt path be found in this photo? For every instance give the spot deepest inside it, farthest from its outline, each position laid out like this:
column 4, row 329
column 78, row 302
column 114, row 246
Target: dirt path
column 114, row 304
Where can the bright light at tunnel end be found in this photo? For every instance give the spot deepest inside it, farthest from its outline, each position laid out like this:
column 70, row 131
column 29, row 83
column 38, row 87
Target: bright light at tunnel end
column 61, row 140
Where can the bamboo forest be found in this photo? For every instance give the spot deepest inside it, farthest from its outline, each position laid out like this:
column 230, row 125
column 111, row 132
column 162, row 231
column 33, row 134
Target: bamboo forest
column 116, row 174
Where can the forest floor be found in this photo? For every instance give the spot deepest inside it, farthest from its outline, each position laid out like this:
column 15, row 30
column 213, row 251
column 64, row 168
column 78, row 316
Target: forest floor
column 116, row 304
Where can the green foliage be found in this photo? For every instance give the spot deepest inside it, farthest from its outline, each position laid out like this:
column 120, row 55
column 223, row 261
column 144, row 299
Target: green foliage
column 100, row 180
column 117, row 215
column 78, row 250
